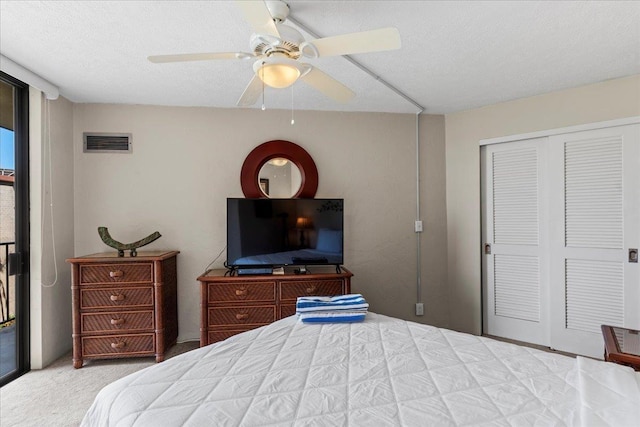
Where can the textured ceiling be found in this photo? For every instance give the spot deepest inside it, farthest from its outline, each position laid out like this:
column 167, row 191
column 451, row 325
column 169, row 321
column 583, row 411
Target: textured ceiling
column 454, row 56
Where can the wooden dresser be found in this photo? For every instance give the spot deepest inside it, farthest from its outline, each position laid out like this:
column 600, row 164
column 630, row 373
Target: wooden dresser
column 124, row 306
column 230, row 305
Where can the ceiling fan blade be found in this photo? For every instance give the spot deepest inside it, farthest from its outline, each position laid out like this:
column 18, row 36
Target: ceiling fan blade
column 251, row 92
column 184, row 57
column 328, row 85
column 363, row 42
column 259, row 17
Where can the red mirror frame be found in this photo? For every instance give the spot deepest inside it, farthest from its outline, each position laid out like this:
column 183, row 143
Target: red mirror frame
column 270, row 150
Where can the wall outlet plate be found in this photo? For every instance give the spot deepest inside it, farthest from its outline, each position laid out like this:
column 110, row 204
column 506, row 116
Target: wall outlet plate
column 418, row 226
column 419, row 309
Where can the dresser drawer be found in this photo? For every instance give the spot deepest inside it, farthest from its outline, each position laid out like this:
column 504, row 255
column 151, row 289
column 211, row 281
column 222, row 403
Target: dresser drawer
column 257, row 315
column 116, row 297
column 129, row 321
column 287, row 310
column 291, row 290
column 231, row 305
column 116, row 273
column 245, row 291
column 118, row 345
column 221, row 335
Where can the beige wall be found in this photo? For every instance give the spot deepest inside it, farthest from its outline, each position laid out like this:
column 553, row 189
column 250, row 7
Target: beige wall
column 51, row 233
column 608, row 100
column 186, row 162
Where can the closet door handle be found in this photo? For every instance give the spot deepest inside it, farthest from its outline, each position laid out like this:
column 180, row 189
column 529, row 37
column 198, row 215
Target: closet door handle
column 633, row 255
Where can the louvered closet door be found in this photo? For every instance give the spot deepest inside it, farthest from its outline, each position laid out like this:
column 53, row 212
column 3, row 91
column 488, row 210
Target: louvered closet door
column 514, row 215
column 595, row 220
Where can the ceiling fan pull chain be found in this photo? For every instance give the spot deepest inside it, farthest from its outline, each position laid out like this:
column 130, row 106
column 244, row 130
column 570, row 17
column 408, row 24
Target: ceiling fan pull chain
column 293, row 122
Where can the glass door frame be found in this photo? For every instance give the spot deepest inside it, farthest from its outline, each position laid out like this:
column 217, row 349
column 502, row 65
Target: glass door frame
column 21, row 189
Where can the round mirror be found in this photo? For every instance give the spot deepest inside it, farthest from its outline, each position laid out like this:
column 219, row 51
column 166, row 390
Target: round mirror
column 279, row 169
column 279, row 178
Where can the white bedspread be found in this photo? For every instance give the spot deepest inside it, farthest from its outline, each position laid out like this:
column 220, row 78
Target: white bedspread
column 382, row 372
column 609, row 394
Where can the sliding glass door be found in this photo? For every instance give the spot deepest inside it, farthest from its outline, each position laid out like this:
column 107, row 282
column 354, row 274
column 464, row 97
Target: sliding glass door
column 14, row 229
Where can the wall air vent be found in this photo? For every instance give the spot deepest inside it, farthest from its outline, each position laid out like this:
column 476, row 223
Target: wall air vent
column 106, row 142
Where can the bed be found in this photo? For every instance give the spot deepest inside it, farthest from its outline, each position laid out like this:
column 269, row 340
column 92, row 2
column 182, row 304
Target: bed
column 381, row 372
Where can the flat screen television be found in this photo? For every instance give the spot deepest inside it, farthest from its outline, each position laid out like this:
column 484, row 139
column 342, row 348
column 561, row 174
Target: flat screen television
column 281, row 232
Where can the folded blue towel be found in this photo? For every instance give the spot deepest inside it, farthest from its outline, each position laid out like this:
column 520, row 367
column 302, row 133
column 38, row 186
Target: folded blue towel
column 351, row 302
column 333, row 317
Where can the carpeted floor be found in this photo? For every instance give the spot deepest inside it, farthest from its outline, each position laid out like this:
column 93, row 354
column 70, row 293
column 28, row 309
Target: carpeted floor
column 59, row 395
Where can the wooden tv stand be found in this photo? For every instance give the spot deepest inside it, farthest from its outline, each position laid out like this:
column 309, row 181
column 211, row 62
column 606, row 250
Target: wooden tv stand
column 233, row 304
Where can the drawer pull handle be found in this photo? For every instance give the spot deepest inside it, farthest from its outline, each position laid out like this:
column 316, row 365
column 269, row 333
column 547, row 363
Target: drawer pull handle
column 118, row 297
column 242, row 316
column 117, row 322
column 311, row 289
column 118, row 345
column 115, row 274
column 241, row 292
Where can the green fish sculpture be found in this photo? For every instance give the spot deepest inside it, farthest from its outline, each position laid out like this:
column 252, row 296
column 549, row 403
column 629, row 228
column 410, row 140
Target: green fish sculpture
column 121, row 247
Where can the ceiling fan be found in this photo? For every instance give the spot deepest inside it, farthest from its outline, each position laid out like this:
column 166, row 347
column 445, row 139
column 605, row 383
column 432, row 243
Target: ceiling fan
column 279, row 49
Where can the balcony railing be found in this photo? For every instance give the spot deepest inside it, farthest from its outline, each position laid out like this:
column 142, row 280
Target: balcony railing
column 7, row 284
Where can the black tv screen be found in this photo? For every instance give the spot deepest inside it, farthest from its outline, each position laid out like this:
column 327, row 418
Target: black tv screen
column 280, row 232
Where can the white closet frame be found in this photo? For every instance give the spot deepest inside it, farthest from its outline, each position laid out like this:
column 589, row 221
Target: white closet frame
column 557, row 131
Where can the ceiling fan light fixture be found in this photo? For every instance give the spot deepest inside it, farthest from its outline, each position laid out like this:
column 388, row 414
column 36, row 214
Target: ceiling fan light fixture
column 277, row 72
column 278, row 161
column 279, row 76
